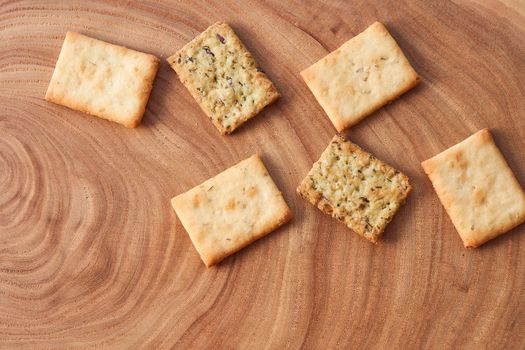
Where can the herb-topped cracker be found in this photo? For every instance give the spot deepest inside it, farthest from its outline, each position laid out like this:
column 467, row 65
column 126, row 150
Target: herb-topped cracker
column 477, row 189
column 354, row 187
column 360, row 77
column 105, row 80
column 223, row 77
column 231, row 210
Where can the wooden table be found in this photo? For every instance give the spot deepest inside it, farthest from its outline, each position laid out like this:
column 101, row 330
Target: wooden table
column 93, row 256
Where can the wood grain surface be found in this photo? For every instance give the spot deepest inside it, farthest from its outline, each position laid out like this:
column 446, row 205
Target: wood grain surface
column 93, row 256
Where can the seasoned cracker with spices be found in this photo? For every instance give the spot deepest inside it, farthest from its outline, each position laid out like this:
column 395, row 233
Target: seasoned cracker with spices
column 356, row 188
column 223, row 78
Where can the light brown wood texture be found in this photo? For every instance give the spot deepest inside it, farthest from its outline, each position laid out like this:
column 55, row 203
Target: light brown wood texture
column 93, row 256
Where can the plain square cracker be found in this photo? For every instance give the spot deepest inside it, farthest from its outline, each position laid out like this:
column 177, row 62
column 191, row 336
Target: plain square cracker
column 477, row 188
column 222, row 76
column 356, row 188
column 361, row 76
column 102, row 79
column 231, row 210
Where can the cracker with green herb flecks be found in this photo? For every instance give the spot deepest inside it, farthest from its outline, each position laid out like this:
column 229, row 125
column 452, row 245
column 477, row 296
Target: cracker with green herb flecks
column 231, row 210
column 102, row 79
column 354, row 187
column 223, row 78
column 361, row 76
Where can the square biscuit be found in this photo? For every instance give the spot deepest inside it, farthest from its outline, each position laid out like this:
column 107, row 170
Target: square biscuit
column 361, row 76
column 231, row 210
column 102, row 79
column 223, row 78
column 477, row 188
column 354, row 187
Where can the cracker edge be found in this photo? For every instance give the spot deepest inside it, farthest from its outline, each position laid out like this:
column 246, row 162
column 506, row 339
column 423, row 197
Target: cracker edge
column 136, row 118
column 429, row 166
column 315, row 198
column 332, row 113
column 186, row 79
column 285, row 216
